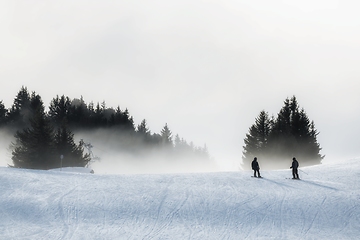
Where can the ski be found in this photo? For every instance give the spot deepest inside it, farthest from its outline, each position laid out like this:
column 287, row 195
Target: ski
column 293, row 178
column 256, row 177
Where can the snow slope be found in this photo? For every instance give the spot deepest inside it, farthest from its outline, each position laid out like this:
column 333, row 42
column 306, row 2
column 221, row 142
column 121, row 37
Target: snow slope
column 229, row 205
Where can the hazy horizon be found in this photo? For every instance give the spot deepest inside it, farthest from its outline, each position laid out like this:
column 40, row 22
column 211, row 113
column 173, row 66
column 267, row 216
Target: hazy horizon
column 109, row 156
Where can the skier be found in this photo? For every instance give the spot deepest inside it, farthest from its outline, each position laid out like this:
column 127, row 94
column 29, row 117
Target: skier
column 294, row 166
column 255, row 167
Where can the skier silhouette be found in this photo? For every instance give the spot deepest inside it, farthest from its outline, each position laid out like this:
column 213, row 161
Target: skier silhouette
column 294, row 166
column 255, row 167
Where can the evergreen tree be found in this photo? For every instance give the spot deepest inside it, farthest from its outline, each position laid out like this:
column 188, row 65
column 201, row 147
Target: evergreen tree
column 72, row 154
column 281, row 140
column 59, row 110
column 79, row 115
column 127, row 120
column 155, row 141
column 99, row 119
column 177, row 141
column 18, row 116
column 313, row 147
column 295, row 137
column 3, row 114
column 34, row 146
column 36, row 104
column 144, row 134
column 143, row 129
column 257, row 139
column 166, row 136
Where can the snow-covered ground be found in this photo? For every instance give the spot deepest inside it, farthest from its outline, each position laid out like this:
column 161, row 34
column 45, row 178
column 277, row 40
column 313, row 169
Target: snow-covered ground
column 325, row 204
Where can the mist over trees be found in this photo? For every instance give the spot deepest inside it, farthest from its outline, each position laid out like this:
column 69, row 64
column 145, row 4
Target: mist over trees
column 275, row 141
column 38, row 146
column 41, row 137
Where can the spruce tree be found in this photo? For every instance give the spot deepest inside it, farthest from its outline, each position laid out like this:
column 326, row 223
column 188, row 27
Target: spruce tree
column 127, row 121
column 281, row 139
column 292, row 136
column 143, row 130
column 79, row 115
column 34, row 146
column 18, row 115
column 59, row 110
column 99, row 118
column 257, row 139
column 166, row 136
column 3, row 114
column 72, row 154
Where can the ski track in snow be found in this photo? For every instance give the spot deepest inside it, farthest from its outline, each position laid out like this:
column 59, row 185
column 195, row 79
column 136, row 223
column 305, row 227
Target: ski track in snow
column 231, row 205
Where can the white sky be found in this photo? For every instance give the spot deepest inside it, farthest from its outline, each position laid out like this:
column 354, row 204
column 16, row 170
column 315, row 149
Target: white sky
column 206, row 68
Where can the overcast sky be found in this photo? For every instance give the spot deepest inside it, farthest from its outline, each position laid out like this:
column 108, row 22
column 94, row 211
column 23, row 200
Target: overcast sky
column 206, row 68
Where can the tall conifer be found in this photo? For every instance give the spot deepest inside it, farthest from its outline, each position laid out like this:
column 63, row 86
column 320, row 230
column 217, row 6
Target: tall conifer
column 34, row 146
column 256, row 140
column 72, row 155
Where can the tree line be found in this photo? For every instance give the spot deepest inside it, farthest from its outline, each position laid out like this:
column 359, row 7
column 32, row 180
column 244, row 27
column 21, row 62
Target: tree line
column 41, row 137
column 275, row 141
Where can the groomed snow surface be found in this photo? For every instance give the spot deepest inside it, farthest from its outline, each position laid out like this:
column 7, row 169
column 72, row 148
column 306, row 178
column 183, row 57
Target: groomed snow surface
column 325, row 204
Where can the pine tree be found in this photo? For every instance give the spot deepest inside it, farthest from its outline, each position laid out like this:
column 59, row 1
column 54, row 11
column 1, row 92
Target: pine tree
column 59, row 110
column 143, row 129
column 314, row 148
column 72, row 154
column 99, row 119
column 18, row 115
column 166, row 136
column 127, row 120
column 144, row 135
column 281, row 140
column 294, row 138
column 177, row 141
column 257, row 139
column 34, row 146
column 3, row 114
column 79, row 115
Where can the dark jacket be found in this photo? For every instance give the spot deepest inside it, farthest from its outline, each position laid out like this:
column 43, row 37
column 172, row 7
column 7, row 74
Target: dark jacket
column 255, row 165
column 295, row 164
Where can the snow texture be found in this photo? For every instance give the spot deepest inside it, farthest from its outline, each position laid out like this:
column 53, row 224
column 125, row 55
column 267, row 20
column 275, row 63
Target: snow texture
column 38, row 205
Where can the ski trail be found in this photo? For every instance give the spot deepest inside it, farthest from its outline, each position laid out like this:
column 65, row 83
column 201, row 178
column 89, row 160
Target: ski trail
column 277, row 209
column 309, row 227
column 167, row 209
column 63, row 210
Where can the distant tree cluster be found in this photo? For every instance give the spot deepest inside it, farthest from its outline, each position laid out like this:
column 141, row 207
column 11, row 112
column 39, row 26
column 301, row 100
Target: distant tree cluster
column 42, row 137
column 38, row 145
column 276, row 140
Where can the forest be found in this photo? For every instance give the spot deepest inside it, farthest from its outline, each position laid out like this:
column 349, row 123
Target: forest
column 42, row 137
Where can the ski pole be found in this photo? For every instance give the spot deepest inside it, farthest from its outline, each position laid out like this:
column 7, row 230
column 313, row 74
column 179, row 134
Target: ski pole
column 303, row 171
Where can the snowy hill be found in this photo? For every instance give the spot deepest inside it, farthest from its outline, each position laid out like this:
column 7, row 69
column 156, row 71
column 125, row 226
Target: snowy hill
column 325, row 204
